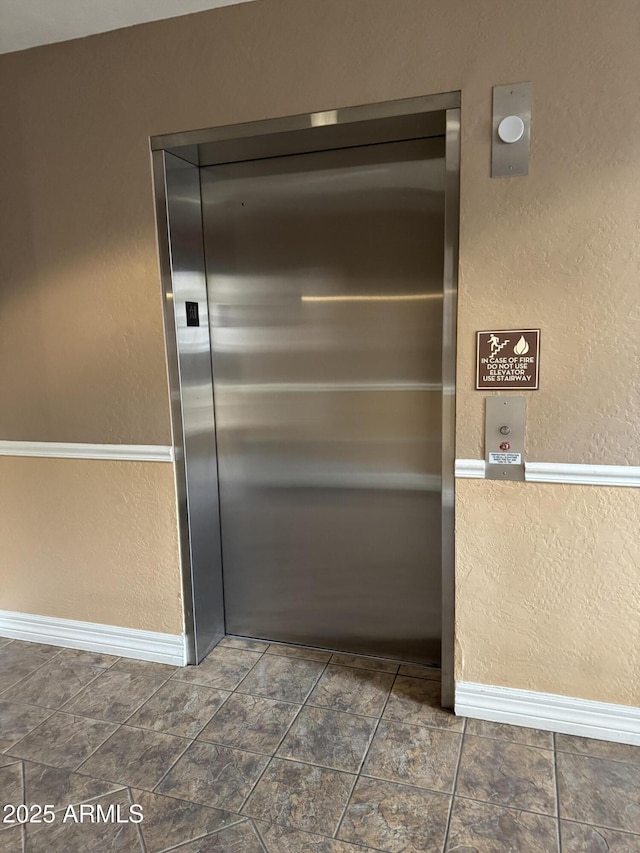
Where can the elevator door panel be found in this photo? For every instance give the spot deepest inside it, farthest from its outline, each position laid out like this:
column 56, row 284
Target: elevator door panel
column 325, row 302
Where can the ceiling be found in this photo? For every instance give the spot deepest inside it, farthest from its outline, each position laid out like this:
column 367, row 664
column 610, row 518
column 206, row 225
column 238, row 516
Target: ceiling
column 27, row 23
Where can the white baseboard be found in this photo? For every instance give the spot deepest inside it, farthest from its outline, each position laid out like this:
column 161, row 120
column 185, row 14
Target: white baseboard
column 93, row 637
column 549, row 711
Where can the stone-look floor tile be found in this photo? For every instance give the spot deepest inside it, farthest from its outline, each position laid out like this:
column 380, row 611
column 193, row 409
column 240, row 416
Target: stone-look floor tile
column 179, row 709
column 580, row 838
column 169, row 822
column 18, row 720
column 113, row 696
column 53, row 684
column 417, row 701
column 10, row 785
column 508, row 774
column 61, row 788
column 414, row 755
column 396, row 818
column 300, row 796
column 240, row 838
column 244, row 643
column 364, row 662
column 145, row 667
column 223, row 668
column 75, row 656
column 357, row 691
column 19, row 659
column 414, row 670
column 63, row 740
column 214, row 775
column 282, row 839
column 484, row 828
column 329, row 738
column 11, row 840
column 598, row 748
column 4, row 641
column 599, row 791
column 298, row 652
column 287, row 679
column 250, row 722
column 88, row 837
column 516, row 734
column 135, row 757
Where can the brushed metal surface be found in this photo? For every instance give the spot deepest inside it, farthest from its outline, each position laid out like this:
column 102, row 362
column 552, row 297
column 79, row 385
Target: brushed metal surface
column 449, row 338
column 325, row 283
column 347, row 117
column 510, row 160
column 509, row 412
column 192, row 400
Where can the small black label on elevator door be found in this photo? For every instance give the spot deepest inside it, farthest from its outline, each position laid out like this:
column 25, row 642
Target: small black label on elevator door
column 193, row 314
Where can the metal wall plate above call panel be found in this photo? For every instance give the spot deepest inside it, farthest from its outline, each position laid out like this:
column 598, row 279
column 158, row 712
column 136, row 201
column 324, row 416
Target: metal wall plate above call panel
column 511, row 128
column 504, row 438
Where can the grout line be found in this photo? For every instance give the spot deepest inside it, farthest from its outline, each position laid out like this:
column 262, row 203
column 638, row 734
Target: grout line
column 143, row 843
column 260, row 822
column 268, row 764
column 24, row 678
column 169, row 769
column 601, row 826
column 142, row 704
column 555, row 780
column 346, row 805
column 289, row 727
column 366, row 754
column 602, row 757
column 182, row 845
column 93, row 752
column 255, row 785
column 69, row 702
column 23, row 786
column 261, row 840
column 198, row 738
column 512, row 742
column 176, row 675
column 453, row 788
column 512, row 808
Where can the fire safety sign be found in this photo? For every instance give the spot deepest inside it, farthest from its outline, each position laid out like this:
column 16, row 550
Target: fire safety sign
column 508, row 360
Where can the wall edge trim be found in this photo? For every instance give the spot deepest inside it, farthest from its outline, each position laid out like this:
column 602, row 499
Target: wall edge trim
column 67, row 450
column 561, row 472
column 470, row 469
column 587, row 475
column 94, row 637
column 549, row 711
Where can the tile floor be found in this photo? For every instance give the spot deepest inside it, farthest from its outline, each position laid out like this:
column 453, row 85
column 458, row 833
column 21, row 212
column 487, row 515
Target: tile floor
column 276, row 749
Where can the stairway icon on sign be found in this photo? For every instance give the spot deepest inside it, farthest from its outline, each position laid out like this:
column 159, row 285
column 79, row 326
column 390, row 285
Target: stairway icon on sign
column 496, row 346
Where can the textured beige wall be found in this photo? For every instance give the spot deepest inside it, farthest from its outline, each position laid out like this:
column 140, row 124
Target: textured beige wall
column 81, row 351
column 90, row 540
column 548, row 585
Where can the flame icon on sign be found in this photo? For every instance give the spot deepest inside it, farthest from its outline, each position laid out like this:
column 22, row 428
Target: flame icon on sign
column 522, row 347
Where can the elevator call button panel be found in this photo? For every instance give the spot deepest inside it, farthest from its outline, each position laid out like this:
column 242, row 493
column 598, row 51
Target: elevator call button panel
column 504, row 438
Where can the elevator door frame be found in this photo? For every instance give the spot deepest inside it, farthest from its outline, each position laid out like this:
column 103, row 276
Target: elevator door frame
column 176, row 162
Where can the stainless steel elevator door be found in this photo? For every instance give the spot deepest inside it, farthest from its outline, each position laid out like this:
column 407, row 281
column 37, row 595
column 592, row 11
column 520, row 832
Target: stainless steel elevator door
column 324, row 276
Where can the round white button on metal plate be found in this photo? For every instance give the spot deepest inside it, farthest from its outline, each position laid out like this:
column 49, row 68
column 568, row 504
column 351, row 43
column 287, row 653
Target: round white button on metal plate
column 511, row 129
